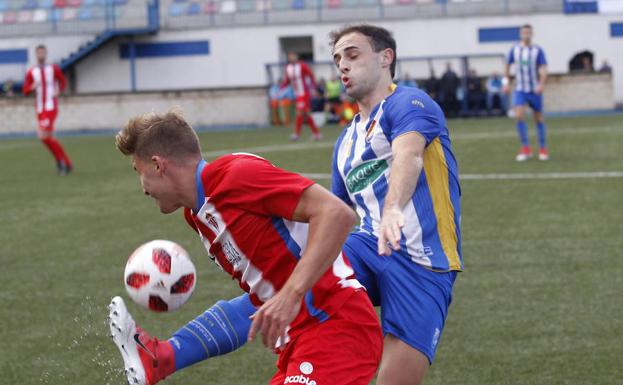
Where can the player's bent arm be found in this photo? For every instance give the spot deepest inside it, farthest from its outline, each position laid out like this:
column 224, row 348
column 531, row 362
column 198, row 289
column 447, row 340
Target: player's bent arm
column 542, row 77
column 330, row 221
column 506, row 79
column 28, row 84
column 408, row 153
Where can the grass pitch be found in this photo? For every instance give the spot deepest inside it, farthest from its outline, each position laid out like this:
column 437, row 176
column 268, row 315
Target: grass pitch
column 538, row 303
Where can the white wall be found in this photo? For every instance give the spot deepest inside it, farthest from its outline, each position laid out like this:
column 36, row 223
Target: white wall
column 59, row 47
column 203, row 109
column 237, row 55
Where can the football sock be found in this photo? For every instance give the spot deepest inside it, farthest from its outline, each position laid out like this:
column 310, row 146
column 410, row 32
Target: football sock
column 312, row 125
column 57, row 150
column 219, row 330
column 522, row 131
column 53, row 147
column 542, row 133
column 298, row 124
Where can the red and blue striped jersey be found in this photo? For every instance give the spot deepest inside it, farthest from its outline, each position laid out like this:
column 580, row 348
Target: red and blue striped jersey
column 244, row 219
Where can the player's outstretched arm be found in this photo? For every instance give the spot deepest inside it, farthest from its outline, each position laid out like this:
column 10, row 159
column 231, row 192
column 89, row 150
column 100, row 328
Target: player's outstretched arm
column 408, row 154
column 330, row 221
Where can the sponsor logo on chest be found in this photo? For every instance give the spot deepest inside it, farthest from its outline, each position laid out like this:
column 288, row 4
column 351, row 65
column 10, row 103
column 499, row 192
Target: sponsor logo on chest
column 365, row 174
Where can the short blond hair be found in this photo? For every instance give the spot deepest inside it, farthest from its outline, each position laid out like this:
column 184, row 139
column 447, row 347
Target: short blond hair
column 167, row 135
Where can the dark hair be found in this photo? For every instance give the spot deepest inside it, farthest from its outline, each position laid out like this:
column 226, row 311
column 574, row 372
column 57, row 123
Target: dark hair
column 379, row 38
column 529, row 26
column 40, row 46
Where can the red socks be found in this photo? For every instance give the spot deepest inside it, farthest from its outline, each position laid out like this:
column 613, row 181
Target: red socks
column 312, row 125
column 299, row 124
column 57, row 150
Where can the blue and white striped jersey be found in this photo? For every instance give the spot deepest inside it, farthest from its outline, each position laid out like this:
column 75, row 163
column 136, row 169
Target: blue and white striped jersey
column 527, row 60
column 362, row 164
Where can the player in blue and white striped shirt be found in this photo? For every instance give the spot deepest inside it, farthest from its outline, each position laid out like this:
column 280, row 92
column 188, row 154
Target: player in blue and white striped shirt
column 530, row 76
column 394, row 164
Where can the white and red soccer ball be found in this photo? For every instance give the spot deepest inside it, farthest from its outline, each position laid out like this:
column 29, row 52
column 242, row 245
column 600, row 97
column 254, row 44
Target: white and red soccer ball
column 160, row 276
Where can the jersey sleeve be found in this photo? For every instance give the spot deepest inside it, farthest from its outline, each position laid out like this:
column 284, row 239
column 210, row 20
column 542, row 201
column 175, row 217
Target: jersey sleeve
column 309, row 74
column 540, row 58
column 338, row 188
column 58, row 74
column 28, row 83
column 411, row 113
column 256, row 185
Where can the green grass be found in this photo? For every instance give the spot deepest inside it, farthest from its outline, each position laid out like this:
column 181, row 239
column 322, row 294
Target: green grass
column 538, row 303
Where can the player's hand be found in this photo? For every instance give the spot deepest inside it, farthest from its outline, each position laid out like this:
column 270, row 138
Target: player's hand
column 506, row 89
column 539, row 89
column 272, row 318
column 392, row 222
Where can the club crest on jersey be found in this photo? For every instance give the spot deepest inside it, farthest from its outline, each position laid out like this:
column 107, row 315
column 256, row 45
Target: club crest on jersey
column 365, row 174
column 211, row 220
column 369, row 132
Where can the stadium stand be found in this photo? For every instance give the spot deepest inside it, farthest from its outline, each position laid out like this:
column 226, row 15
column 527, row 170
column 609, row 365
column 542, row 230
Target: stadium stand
column 19, row 17
column 471, row 34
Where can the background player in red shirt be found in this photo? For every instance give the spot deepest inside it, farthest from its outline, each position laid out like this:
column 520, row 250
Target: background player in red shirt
column 301, row 78
column 47, row 80
column 280, row 236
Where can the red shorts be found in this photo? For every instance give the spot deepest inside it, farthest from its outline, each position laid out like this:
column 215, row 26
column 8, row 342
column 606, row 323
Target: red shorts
column 303, row 103
column 344, row 350
column 46, row 120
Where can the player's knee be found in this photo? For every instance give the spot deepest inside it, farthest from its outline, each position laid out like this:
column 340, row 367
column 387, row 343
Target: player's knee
column 401, row 364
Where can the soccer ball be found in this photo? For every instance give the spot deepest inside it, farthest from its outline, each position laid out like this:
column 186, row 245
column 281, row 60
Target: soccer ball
column 160, row 276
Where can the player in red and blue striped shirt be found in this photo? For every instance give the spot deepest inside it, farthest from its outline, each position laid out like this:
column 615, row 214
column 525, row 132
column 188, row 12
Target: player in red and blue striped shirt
column 279, row 235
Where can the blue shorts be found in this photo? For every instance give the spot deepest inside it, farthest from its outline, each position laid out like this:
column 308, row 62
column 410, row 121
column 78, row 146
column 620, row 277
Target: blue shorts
column 414, row 300
column 535, row 101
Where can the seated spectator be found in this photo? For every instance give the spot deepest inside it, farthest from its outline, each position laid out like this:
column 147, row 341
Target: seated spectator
column 496, row 99
column 587, row 65
column 431, row 86
column 475, row 94
column 448, row 88
column 7, row 89
column 274, row 94
column 286, row 102
column 318, row 99
column 333, row 93
column 605, row 68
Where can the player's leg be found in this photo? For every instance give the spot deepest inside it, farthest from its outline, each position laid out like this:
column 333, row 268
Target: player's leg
column 537, row 107
column 68, row 164
column 300, row 117
column 309, row 120
column 402, row 364
column 525, row 152
column 414, row 307
column 45, row 132
column 219, row 330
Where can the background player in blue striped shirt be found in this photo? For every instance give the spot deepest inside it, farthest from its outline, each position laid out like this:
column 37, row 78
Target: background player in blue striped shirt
column 530, row 76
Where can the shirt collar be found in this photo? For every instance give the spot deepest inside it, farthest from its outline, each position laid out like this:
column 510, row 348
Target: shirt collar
column 199, row 184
